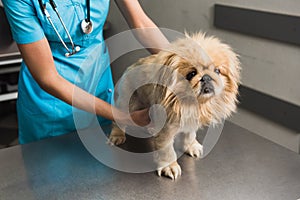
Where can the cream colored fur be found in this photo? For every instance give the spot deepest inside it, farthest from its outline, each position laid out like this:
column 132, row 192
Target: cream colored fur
column 187, row 108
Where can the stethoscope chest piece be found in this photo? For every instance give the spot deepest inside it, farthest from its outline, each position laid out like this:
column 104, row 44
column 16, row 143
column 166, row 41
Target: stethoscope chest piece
column 86, row 26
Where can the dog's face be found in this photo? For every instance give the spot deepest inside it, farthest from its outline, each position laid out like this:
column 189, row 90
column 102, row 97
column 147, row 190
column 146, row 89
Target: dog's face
column 206, row 81
column 213, row 72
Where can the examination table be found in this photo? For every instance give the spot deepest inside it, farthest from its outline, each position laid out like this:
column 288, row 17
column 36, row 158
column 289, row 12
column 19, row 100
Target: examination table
column 242, row 166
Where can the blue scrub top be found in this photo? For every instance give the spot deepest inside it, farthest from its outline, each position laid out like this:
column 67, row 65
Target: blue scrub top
column 40, row 115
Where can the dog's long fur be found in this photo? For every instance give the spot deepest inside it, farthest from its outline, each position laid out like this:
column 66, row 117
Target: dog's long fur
column 176, row 81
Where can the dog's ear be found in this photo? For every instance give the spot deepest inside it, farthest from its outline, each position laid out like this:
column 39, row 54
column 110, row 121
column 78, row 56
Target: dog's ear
column 170, row 59
column 182, row 109
column 163, row 69
column 231, row 69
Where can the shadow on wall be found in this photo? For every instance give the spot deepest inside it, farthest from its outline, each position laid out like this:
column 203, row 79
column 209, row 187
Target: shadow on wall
column 5, row 33
column 8, row 124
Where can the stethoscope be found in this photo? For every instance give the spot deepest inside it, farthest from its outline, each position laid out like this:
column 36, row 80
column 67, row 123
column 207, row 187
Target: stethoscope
column 86, row 25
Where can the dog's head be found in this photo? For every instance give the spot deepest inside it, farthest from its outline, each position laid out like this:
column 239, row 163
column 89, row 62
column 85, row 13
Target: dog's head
column 212, row 70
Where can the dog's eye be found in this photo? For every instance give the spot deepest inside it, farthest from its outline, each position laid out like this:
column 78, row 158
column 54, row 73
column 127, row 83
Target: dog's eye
column 190, row 75
column 217, row 71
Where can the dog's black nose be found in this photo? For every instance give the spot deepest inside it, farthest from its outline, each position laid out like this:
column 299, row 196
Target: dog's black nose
column 206, row 78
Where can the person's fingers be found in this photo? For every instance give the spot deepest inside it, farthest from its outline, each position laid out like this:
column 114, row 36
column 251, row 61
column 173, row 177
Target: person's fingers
column 141, row 117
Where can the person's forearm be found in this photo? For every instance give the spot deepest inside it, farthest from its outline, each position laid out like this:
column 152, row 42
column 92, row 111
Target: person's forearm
column 145, row 30
column 77, row 97
column 44, row 72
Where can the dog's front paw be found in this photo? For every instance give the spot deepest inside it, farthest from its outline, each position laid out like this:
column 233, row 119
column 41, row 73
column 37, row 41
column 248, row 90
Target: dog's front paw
column 116, row 139
column 172, row 171
column 195, row 150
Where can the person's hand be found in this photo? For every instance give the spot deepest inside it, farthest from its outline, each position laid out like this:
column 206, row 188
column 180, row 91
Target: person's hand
column 141, row 117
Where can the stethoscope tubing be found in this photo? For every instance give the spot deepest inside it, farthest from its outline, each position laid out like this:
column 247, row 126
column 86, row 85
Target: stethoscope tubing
column 52, row 3
column 88, row 10
column 59, row 36
column 54, row 7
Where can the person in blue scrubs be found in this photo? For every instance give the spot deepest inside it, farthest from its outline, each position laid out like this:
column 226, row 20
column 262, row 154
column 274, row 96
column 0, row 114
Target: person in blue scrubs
column 48, row 78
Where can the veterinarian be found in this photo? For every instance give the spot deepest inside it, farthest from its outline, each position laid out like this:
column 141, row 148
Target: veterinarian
column 59, row 53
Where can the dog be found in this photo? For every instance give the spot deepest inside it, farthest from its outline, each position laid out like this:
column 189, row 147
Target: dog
column 195, row 79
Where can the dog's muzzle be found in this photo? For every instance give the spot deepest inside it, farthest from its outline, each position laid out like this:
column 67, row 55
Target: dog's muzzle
column 206, row 85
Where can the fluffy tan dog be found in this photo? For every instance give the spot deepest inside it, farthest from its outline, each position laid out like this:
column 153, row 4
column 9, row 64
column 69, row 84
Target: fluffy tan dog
column 195, row 80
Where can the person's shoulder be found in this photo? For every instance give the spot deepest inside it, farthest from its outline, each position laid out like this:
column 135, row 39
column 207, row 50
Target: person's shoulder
column 16, row 3
column 15, row 6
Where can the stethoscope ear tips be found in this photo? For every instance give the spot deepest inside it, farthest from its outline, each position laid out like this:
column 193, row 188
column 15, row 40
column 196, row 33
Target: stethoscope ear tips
column 77, row 49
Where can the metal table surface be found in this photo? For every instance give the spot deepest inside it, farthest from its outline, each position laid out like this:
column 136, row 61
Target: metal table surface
column 241, row 166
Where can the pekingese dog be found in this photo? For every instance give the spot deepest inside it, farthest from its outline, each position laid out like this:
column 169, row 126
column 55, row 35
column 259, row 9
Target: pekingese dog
column 195, row 80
